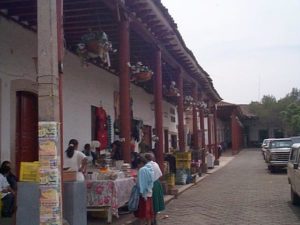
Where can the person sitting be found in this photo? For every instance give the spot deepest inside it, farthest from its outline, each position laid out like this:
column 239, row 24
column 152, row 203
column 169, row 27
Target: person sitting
column 7, row 193
column 116, row 151
column 91, row 156
column 11, row 178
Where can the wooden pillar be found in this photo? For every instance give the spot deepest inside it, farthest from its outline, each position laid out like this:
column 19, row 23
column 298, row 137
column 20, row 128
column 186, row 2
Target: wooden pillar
column 209, row 132
column 49, row 39
column 158, row 99
column 234, row 133
column 201, row 115
column 124, row 90
column 180, row 112
column 216, row 137
column 195, row 119
column 202, row 132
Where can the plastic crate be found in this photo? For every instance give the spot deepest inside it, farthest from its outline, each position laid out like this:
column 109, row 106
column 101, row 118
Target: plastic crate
column 170, row 179
column 183, row 155
column 183, row 164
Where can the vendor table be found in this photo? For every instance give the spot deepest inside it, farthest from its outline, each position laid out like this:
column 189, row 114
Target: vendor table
column 110, row 194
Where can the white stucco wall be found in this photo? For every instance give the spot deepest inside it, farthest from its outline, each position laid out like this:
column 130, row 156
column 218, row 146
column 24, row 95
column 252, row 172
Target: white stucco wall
column 82, row 88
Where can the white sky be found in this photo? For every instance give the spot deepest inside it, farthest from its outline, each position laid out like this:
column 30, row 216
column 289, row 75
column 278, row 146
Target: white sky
column 250, row 48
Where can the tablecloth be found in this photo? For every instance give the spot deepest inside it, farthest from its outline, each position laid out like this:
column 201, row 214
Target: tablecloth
column 111, row 193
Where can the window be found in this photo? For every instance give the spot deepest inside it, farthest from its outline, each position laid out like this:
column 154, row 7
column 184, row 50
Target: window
column 293, row 155
column 173, row 119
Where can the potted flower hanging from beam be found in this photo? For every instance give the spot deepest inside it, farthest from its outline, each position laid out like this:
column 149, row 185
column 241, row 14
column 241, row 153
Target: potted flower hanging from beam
column 188, row 102
column 140, row 72
column 172, row 91
column 95, row 46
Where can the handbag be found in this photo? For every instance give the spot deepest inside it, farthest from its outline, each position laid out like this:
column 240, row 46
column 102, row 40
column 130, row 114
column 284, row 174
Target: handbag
column 133, row 203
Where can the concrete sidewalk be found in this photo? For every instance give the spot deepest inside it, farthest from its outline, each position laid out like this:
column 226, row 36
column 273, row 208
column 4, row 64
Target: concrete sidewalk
column 130, row 219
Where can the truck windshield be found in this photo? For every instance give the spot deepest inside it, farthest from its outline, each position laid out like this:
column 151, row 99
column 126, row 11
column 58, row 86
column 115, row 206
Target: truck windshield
column 281, row 144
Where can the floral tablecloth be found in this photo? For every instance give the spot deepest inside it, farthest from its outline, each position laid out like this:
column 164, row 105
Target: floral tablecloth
column 111, row 193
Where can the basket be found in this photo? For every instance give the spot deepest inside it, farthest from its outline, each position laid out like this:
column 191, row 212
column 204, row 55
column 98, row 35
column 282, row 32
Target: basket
column 69, row 175
column 171, row 93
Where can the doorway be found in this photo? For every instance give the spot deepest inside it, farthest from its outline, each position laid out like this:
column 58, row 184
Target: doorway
column 166, row 136
column 147, row 138
column 26, row 128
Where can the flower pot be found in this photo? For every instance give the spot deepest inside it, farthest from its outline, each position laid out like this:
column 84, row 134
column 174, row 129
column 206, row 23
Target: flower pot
column 142, row 76
column 171, row 93
column 93, row 46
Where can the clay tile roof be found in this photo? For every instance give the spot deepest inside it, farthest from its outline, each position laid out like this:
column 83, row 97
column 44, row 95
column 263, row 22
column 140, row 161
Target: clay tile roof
column 246, row 111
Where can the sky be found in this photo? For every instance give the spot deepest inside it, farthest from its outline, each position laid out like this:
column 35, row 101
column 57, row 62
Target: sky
column 250, row 48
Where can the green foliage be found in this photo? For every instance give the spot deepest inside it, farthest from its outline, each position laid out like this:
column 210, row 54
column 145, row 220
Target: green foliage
column 283, row 114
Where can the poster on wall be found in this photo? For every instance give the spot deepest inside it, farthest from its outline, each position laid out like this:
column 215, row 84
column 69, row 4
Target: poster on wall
column 50, row 185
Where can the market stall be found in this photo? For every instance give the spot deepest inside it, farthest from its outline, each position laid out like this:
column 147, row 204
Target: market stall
column 108, row 190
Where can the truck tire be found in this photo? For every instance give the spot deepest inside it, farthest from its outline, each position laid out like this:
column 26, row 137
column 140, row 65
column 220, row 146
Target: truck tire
column 271, row 168
column 294, row 197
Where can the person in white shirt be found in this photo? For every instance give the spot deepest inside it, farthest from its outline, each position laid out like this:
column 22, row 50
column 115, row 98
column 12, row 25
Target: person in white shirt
column 75, row 160
column 6, row 193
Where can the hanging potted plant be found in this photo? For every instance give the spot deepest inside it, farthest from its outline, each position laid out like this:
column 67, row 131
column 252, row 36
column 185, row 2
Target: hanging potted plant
column 140, row 72
column 188, row 102
column 172, row 91
column 95, row 45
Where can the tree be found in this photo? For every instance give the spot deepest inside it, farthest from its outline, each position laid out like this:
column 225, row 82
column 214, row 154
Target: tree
column 283, row 114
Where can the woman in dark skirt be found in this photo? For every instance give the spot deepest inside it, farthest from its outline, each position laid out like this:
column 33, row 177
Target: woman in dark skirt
column 145, row 183
column 157, row 191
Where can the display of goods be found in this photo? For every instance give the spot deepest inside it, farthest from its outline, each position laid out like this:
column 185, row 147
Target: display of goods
column 183, row 156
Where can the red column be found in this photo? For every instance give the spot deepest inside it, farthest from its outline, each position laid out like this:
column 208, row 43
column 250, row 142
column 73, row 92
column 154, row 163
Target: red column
column 180, row 113
column 201, row 114
column 209, row 132
column 234, row 133
column 195, row 119
column 216, row 137
column 158, row 98
column 124, row 88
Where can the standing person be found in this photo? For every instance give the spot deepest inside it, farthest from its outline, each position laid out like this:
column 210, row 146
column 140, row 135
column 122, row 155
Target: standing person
column 11, row 178
column 7, row 194
column 145, row 184
column 75, row 160
column 91, row 156
column 116, row 151
column 157, row 191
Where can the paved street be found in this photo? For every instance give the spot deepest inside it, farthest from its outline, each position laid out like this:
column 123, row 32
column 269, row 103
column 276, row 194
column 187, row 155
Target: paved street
column 243, row 192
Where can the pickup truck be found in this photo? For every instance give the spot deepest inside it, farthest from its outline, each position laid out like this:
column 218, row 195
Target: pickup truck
column 293, row 170
column 277, row 153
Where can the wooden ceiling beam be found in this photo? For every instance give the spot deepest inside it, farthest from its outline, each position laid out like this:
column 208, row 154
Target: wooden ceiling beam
column 93, row 9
